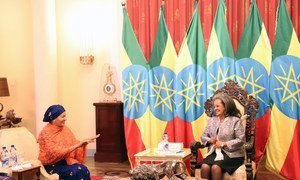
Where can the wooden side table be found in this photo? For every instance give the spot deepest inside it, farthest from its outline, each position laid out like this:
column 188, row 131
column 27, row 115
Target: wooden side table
column 31, row 170
column 151, row 155
column 111, row 146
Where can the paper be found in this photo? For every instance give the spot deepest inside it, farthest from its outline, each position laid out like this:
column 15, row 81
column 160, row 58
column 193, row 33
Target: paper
column 170, row 153
column 219, row 155
column 20, row 167
column 26, row 165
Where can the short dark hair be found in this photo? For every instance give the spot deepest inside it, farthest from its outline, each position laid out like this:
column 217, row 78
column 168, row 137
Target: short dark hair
column 230, row 107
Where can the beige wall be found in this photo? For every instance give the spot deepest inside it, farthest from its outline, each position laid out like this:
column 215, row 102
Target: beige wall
column 31, row 52
column 16, row 59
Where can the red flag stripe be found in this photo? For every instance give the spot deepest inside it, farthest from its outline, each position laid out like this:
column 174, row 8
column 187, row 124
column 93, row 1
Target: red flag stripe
column 134, row 141
column 291, row 166
column 262, row 131
column 181, row 130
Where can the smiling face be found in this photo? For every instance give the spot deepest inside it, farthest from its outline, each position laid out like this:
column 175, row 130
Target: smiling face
column 219, row 108
column 60, row 120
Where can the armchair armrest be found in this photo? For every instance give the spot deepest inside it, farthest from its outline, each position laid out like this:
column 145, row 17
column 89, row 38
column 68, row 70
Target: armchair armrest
column 250, row 153
column 249, row 145
column 48, row 176
column 195, row 146
column 6, row 171
column 43, row 171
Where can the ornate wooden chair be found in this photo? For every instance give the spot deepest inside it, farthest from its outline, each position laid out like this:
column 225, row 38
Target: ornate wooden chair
column 28, row 149
column 248, row 107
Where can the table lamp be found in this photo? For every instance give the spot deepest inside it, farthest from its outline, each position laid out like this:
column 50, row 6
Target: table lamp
column 3, row 91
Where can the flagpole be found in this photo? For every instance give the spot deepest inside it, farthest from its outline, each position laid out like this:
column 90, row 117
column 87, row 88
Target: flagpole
column 196, row 2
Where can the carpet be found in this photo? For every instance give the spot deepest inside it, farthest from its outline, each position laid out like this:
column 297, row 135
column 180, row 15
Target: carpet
column 108, row 178
column 96, row 177
column 111, row 174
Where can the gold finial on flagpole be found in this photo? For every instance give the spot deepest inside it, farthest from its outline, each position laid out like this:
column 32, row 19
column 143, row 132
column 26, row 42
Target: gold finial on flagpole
column 123, row 4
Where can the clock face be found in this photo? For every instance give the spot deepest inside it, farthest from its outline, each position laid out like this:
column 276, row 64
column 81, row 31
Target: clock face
column 109, row 89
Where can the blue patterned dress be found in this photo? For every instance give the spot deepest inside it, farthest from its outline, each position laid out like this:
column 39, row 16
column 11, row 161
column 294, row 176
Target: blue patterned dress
column 75, row 171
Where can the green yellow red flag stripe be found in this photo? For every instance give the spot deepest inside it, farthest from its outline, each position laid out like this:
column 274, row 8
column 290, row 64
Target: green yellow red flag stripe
column 135, row 88
column 254, row 56
column 283, row 148
column 162, row 83
column 191, row 71
column 220, row 55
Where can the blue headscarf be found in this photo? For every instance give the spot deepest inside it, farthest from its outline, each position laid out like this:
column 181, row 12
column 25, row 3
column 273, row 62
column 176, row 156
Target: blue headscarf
column 53, row 112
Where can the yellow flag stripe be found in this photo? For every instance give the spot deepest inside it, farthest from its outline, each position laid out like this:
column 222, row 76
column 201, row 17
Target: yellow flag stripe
column 151, row 129
column 198, row 127
column 280, row 138
column 262, row 51
column 214, row 51
column 143, row 124
column 294, row 46
column 169, row 58
column 184, row 58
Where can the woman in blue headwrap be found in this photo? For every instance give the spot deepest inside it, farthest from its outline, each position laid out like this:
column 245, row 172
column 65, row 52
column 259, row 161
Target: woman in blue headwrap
column 60, row 152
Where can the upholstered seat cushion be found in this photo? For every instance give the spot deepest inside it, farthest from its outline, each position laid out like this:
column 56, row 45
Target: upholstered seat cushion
column 23, row 140
column 27, row 148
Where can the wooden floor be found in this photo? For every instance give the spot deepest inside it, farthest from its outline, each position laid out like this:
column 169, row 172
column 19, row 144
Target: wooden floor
column 108, row 169
column 120, row 170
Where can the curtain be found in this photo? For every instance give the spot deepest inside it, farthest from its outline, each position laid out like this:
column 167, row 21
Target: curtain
column 144, row 15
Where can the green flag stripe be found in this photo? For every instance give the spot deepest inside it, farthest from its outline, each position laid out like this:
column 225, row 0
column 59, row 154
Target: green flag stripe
column 160, row 41
column 195, row 40
column 130, row 42
column 251, row 33
column 283, row 31
column 220, row 27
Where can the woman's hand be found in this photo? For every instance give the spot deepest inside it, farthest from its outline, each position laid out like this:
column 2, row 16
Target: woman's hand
column 90, row 140
column 83, row 142
column 213, row 140
column 219, row 144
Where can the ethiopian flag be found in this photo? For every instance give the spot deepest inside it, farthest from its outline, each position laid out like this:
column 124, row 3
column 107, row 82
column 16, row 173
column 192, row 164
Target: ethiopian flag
column 220, row 55
column 190, row 118
column 135, row 89
column 253, row 66
column 283, row 148
column 161, row 85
